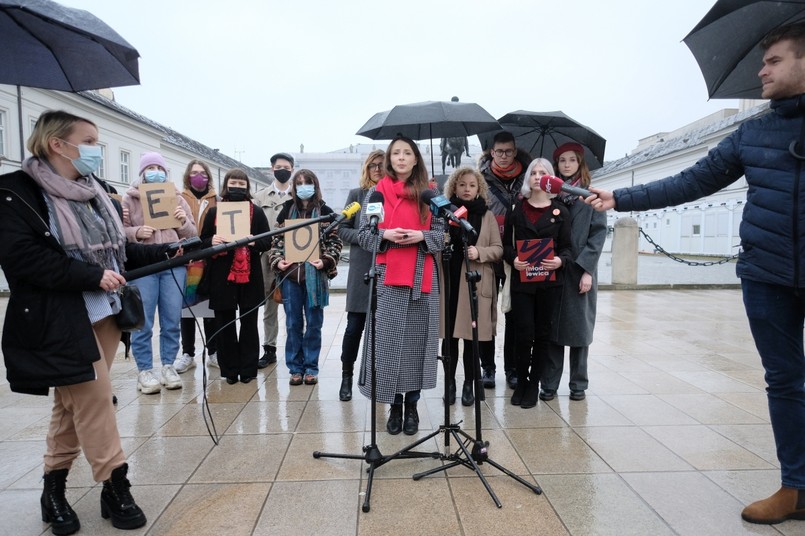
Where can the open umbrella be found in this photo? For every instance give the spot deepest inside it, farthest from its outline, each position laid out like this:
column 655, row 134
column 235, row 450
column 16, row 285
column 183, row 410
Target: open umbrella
column 428, row 120
column 539, row 133
column 47, row 45
column 725, row 43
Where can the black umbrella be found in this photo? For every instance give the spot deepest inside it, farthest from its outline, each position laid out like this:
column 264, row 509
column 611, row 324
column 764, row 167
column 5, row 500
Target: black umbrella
column 725, row 43
column 47, row 45
column 539, row 133
column 428, row 120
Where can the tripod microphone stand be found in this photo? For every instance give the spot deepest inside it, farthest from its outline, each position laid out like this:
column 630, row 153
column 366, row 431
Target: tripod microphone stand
column 372, row 454
column 479, row 452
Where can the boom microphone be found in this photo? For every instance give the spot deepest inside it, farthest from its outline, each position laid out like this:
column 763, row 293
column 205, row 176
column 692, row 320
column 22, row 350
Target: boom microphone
column 348, row 212
column 553, row 185
column 440, row 206
column 374, row 209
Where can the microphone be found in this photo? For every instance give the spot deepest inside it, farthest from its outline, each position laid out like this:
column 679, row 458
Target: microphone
column 553, row 185
column 348, row 212
column 374, row 209
column 440, row 206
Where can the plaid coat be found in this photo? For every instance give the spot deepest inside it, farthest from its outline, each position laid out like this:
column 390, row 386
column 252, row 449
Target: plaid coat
column 407, row 323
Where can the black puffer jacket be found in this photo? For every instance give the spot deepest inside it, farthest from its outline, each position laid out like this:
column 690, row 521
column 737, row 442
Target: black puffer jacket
column 47, row 336
column 773, row 225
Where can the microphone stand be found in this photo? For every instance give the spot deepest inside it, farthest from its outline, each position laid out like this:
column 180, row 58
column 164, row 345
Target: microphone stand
column 480, row 448
column 209, row 252
column 372, row 454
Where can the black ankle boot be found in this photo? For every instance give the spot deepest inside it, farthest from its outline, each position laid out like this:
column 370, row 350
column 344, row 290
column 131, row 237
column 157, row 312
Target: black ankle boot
column 117, row 502
column 467, row 398
column 394, row 426
column 55, row 508
column 519, row 392
column 345, row 393
column 411, row 421
column 451, row 393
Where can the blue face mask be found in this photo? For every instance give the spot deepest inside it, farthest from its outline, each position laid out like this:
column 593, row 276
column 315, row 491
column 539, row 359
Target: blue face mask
column 305, row 191
column 155, row 175
column 89, row 158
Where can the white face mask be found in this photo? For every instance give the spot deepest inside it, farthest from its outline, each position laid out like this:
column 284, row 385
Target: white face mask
column 89, row 158
column 305, row 191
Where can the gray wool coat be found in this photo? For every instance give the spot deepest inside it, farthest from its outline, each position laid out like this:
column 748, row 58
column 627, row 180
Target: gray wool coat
column 359, row 259
column 588, row 231
column 407, row 322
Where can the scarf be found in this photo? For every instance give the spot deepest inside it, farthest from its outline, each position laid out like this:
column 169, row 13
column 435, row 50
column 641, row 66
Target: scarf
column 241, row 269
column 476, row 208
column 508, row 173
column 86, row 222
column 566, row 198
column 316, row 286
column 401, row 261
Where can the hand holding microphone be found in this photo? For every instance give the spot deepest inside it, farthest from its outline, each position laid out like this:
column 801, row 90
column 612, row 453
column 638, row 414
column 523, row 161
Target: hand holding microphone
column 554, row 185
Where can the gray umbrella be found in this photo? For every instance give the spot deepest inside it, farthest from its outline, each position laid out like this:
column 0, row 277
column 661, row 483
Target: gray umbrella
column 539, row 133
column 428, row 120
column 725, row 43
column 47, row 45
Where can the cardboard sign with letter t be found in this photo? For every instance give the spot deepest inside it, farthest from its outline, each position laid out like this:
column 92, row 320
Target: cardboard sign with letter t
column 159, row 202
column 533, row 252
column 233, row 220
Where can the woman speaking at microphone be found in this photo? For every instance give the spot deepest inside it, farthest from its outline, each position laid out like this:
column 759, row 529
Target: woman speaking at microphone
column 407, row 312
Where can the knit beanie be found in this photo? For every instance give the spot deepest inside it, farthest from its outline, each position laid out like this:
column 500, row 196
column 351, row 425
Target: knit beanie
column 149, row 159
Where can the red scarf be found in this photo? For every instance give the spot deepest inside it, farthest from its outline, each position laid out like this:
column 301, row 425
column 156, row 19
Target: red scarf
column 508, row 173
column 241, row 267
column 402, row 211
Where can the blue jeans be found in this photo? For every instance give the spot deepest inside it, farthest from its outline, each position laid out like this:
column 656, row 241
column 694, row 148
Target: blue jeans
column 303, row 333
column 776, row 316
column 163, row 291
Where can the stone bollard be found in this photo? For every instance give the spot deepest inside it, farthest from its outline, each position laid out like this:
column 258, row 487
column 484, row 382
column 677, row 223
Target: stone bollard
column 624, row 252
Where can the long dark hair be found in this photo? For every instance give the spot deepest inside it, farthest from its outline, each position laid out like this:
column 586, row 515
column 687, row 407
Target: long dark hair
column 418, row 180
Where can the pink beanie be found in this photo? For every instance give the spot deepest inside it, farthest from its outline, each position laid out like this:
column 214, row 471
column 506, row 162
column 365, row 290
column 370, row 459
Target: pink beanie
column 149, row 159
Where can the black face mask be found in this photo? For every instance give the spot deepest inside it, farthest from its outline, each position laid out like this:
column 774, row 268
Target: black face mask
column 282, row 175
column 237, row 194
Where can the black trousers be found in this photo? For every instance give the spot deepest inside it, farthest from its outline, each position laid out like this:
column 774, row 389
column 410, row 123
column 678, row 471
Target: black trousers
column 188, row 326
column 238, row 352
column 535, row 317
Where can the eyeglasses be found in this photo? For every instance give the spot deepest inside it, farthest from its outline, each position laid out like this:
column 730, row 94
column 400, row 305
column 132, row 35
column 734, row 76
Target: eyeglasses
column 199, row 174
column 503, row 152
column 373, row 167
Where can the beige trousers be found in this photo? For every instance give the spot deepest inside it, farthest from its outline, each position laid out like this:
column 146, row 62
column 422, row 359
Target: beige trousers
column 83, row 415
column 270, row 319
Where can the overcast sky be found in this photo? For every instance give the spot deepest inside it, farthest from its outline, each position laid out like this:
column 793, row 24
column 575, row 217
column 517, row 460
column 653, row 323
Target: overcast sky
column 253, row 77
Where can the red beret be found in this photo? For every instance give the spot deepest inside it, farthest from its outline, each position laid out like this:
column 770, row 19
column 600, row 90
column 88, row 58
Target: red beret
column 565, row 147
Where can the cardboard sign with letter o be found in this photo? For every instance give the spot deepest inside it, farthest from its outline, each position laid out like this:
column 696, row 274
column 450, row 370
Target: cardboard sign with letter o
column 302, row 244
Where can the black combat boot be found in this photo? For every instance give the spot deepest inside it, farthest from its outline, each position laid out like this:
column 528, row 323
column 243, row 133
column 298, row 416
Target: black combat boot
column 411, row 420
column 345, row 393
column 394, row 426
column 117, row 502
column 55, row 508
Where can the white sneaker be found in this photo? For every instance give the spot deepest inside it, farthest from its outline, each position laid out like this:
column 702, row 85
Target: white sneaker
column 212, row 360
column 184, row 363
column 169, row 378
column 148, row 383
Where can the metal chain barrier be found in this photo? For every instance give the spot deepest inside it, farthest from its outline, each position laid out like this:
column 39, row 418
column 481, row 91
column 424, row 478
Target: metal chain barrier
column 683, row 261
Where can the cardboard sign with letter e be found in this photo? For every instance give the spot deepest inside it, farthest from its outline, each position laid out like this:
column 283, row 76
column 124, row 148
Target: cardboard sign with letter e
column 302, row 244
column 533, row 252
column 233, row 220
column 159, row 202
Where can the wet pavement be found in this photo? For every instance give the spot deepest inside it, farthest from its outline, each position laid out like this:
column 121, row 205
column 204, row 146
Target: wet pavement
column 673, row 438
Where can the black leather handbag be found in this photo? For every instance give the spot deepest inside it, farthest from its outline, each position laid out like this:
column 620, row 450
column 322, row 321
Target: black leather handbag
column 132, row 314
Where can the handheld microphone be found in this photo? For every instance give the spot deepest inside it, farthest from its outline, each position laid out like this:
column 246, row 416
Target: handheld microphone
column 440, row 206
column 374, row 209
column 553, row 185
column 348, row 212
